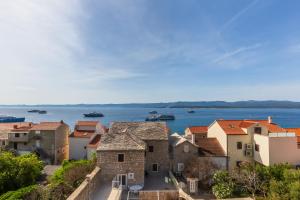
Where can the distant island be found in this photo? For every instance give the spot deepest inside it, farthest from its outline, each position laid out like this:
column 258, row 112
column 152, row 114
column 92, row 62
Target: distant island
column 189, row 104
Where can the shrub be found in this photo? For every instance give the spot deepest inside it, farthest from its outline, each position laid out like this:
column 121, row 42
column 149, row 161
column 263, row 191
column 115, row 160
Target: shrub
column 18, row 171
column 223, row 185
column 19, row 194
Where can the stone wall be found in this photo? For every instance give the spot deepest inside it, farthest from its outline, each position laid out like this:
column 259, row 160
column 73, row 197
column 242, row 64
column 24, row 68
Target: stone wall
column 133, row 163
column 160, row 155
column 159, row 195
column 179, row 156
column 87, row 188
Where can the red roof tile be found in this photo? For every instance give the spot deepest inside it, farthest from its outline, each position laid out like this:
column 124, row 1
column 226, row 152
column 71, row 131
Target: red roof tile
column 95, row 141
column 210, row 147
column 198, row 129
column 82, row 134
column 87, row 123
column 235, row 127
column 45, row 126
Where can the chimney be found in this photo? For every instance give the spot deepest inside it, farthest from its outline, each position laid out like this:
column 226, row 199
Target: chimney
column 270, row 120
column 15, row 126
column 193, row 138
column 61, row 121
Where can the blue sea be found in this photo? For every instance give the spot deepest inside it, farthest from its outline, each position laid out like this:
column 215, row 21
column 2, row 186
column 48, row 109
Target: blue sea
column 71, row 114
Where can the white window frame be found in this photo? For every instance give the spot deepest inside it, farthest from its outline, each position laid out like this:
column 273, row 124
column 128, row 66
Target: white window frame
column 38, row 132
column 192, row 186
column 130, row 176
column 180, row 167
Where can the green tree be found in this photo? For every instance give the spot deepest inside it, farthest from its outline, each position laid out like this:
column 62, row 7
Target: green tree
column 223, row 185
column 18, row 171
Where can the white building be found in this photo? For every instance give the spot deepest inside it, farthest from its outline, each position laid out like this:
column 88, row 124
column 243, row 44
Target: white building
column 84, row 133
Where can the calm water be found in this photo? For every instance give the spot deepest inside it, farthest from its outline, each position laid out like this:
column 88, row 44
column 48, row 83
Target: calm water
column 285, row 117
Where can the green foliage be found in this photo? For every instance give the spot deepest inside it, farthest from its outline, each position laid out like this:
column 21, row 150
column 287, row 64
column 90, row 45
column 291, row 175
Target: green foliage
column 277, row 182
column 73, row 172
column 18, row 171
column 223, row 185
column 18, row 194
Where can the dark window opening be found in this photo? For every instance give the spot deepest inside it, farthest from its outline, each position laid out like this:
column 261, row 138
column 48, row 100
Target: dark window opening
column 151, row 148
column 25, row 134
column 15, row 146
column 238, row 163
column 257, row 147
column 3, row 143
column 17, row 135
column 155, row 167
column 239, row 145
column 257, row 130
column 120, row 157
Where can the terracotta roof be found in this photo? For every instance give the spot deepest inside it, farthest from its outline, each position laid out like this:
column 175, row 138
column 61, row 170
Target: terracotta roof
column 87, row 123
column 210, row 147
column 45, row 126
column 296, row 131
column 95, row 141
column 198, row 129
column 235, row 127
column 82, row 134
column 10, row 126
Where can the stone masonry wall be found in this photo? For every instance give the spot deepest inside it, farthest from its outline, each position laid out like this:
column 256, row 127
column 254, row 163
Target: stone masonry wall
column 133, row 163
column 160, row 155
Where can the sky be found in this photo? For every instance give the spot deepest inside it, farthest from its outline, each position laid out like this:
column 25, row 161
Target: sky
column 123, row 51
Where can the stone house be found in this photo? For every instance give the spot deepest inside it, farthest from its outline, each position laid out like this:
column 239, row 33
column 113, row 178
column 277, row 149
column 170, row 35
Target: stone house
column 48, row 139
column 131, row 150
column 84, row 132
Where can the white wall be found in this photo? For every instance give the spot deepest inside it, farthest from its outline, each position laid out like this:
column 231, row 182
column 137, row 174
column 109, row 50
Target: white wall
column 77, row 150
column 215, row 131
column 263, row 156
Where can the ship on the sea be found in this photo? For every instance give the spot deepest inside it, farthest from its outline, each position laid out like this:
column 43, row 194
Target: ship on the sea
column 94, row 114
column 153, row 112
column 42, row 112
column 33, row 111
column 160, row 117
column 11, row 119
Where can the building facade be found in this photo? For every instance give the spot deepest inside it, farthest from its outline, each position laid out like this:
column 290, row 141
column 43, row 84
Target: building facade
column 131, row 150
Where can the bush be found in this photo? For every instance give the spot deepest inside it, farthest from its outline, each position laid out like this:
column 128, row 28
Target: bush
column 19, row 194
column 223, row 185
column 18, row 171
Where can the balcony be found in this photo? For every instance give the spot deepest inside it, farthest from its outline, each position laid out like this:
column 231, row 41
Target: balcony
column 18, row 137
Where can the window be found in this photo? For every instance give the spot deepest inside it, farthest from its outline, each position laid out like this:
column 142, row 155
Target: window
column 151, row 148
column 186, row 148
column 180, row 167
column 239, row 145
column 37, row 132
column 25, row 134
column 25, row 143
column 257, row 147
column 155, row 167
column 17, row 134
column 15, row 146
column 130, row 175
column 192, row 186
column 121, row 157
column 257, row 130
column 3, row 143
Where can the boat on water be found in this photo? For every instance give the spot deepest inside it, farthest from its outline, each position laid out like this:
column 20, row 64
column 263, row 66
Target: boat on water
column 94, row 114
column 33, row 111
column 11, row 119
column 42, row 112
column 153, row 112
column 191, row 111
column 160, row 117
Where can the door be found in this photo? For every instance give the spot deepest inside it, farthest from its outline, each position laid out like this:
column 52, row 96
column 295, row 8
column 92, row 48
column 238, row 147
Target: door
column 122, row 178
column 155, row 167
column 192, row 186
